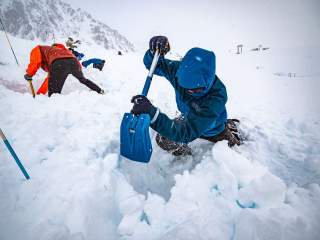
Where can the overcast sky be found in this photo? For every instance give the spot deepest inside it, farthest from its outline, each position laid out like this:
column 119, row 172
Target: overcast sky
column 211, row 22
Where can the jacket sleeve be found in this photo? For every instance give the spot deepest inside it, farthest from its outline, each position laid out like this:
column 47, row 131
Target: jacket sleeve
column 78, row 55
column 199, row 119
column 165, row 67
column 35, row 61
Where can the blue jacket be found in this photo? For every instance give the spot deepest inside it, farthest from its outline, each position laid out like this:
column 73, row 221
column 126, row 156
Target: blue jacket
column 78, row 55
column 204, row 114
column 92, row 61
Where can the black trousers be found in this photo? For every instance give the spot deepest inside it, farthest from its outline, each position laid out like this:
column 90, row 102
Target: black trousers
column 59, row 71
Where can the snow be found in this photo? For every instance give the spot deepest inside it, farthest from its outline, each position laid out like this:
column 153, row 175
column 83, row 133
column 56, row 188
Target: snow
column 81, row 188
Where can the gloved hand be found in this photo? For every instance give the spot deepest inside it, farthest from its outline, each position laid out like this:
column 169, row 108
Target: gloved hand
column 141, row 104
column 160, row 43
column 27, row 77
column 102, row 92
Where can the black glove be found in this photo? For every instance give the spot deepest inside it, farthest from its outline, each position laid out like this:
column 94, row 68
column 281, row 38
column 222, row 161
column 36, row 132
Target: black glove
column 27, row 77
column 160, row 43
column 141, row 104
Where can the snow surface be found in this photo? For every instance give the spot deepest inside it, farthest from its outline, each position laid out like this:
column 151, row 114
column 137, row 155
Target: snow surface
column 80, row 188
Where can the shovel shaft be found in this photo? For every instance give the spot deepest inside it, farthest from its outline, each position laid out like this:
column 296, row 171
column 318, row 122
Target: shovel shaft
column 146, row 86
column 32, row 89
column 151, row 71
column 14, row 155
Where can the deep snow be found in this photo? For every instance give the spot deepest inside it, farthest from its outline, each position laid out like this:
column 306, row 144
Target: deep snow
column 80, row 188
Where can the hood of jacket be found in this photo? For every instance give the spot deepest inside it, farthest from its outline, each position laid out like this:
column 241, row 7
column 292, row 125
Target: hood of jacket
column 197, row 70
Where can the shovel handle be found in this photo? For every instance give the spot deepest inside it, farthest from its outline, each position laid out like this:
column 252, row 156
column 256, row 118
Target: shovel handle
column 2, row 135
column 32, row 89
column 150, row 74
column 14, row 155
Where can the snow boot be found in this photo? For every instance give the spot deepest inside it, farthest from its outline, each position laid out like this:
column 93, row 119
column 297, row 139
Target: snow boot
column 230, row 133
column 176, row 149
column 233, row 126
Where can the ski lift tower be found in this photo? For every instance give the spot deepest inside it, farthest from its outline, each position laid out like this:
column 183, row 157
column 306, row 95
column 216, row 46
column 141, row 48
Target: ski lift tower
column 239, row 48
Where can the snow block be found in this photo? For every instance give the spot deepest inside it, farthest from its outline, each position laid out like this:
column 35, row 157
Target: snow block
column 242, row 168
column 265, row 192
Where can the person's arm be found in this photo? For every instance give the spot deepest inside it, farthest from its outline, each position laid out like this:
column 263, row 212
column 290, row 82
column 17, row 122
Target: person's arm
column 165, row 67
column 200, row 118
column 35, row 61
column 78, row 55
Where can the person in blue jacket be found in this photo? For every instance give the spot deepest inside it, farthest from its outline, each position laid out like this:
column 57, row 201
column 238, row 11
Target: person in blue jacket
column 200, row 97
column 96, row 62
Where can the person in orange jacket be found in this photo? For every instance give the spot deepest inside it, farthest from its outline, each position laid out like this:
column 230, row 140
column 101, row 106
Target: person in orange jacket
column 59, row 62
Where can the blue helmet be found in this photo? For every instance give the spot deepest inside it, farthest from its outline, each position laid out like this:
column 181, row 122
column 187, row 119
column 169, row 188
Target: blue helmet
column 197, row 70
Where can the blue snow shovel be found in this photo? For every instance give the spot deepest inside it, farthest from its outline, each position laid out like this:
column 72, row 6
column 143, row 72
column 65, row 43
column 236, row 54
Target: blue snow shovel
column 135, row 143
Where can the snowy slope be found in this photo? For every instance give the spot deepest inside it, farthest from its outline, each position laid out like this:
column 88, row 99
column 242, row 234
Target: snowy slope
column 55, row 20
column 80, row 188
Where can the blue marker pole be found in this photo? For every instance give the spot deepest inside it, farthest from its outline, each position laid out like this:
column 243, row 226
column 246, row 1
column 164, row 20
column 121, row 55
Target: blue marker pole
column 14, row 155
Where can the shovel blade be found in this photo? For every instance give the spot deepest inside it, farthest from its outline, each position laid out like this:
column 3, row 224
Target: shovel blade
column 135, row 143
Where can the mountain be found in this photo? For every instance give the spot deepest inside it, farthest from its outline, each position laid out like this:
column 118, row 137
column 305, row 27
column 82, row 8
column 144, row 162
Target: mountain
column 49, row 20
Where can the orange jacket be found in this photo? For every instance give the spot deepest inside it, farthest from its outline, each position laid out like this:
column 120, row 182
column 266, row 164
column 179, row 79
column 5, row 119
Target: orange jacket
column 44, row 56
